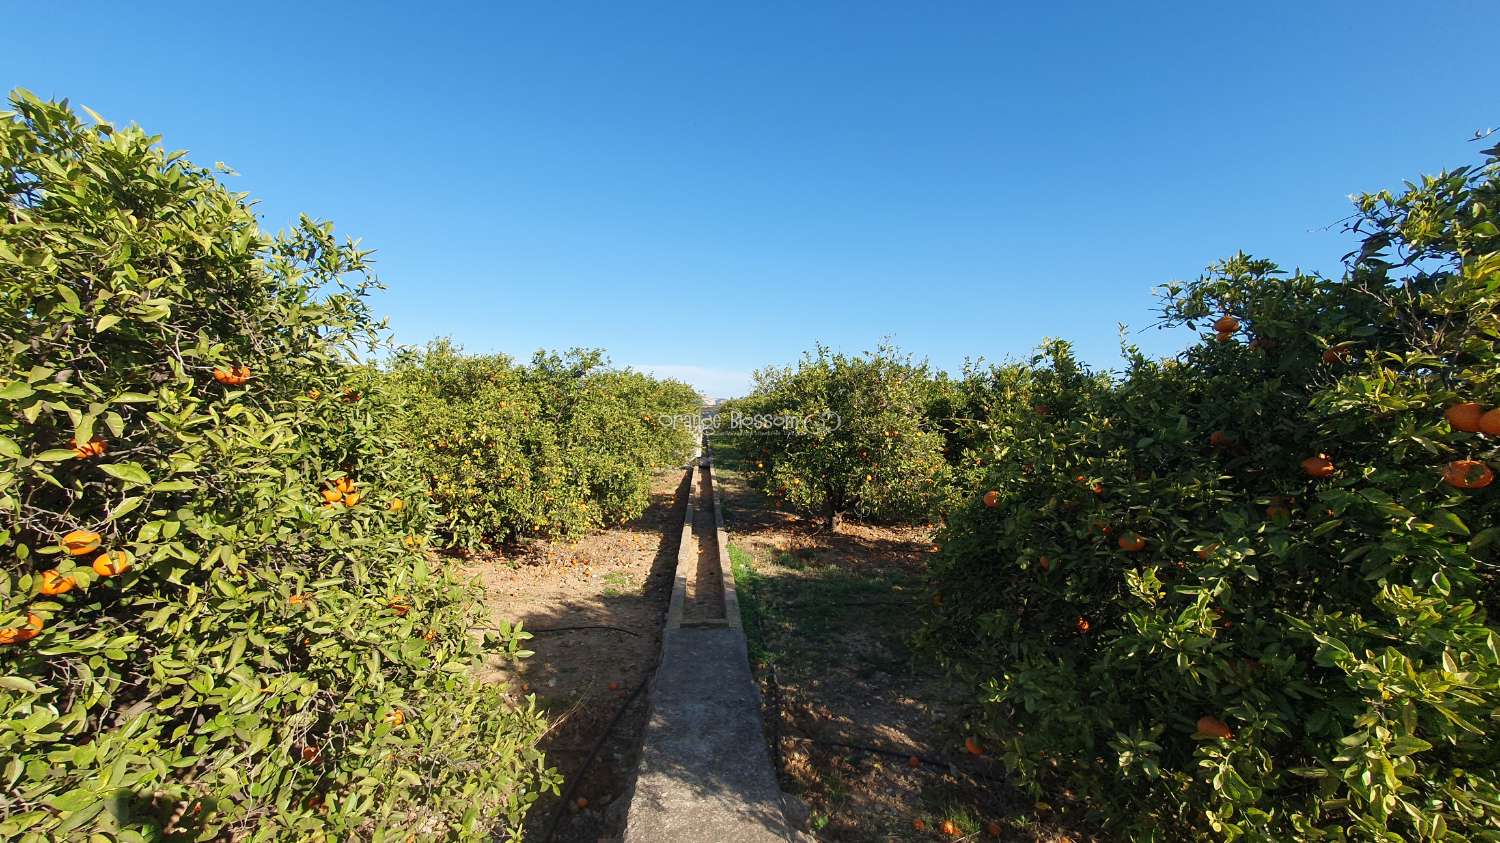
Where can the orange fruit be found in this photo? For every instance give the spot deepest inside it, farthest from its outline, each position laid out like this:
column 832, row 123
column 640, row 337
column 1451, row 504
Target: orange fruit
column 396, row 717
column 111, row 563
column 992, row 828
column 1220, row 439
column 1226, row 324
column 1224, row 336
column 79, row 542
column 314, row 394
column 397, row 505
column 344, row 484
column 332, row 495
column 1213, row 726
column 992, row 499
column 310, row 754
column 1206, row 551
column 1045, row 564
column 1082, row 625
column 1132, row 542
column 351, row 498
column 1319, row 466
column 913, row 762
column 937, row 600
column 1464, row 416
column 399, row 607
column 1467, row 474
column 971, row 746
column 16, row 635
column 614, row 686
column 297, row 599
column 947, row 827
column 92, row 448
column 1490, row 422
column 937, row 548
column 54, row 583
column 919, row 825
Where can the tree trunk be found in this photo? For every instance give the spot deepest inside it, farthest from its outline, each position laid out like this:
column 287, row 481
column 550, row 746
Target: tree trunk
column 832, row 517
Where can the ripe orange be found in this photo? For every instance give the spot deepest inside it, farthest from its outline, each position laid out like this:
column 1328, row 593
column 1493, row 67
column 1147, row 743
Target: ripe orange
column 1226, row 324
column 310, row 754
column 396, row 717
column 332, row 496
column 112, row 563
column 351, row 498
column 1490, row 422
column 54, row 583
column 1132, row 542
column 234, row 376
column 1465, row 416
column 937, row 548
column 399, row 606
column 1467, row 474
column 992, row 829
column 1319, row 466
column 1210, row 725
column 1206, row 551
column 580, row 801
column 972, row 746
column 1082, row 625
column 92, row 448
column 1336, row 354
column 79, row 542
column 297, row 599
column 1224, row 336
column 913, row 762
column 1277, row 510
column 1045, row 564
column 919, row 825
column 1220, row 439
column 16, row 635
column 947, row 827
column 992, row 499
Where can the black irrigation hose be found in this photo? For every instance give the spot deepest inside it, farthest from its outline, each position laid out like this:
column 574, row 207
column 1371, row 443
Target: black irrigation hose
column 585, row 626
column 567, row 795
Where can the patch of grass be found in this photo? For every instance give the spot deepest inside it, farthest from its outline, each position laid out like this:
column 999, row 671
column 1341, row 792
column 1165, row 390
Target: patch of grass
column 751, row 610
column 616, row 583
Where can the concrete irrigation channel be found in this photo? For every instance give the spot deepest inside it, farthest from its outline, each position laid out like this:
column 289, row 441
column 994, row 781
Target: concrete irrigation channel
column 705, row 772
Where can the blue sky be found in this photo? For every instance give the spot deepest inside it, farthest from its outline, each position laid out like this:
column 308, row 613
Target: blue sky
column 706, row 188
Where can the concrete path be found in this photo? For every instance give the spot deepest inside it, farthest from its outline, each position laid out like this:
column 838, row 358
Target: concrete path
column 705, row 774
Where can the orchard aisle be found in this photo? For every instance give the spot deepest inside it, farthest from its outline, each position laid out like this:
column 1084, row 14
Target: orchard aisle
column 596, row 608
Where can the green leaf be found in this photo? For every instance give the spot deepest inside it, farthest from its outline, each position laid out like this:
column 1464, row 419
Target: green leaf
column 128, row 471
column 15, row 391
column 107, row 321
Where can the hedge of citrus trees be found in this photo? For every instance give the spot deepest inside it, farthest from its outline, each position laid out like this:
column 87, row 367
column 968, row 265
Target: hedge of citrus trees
column 1247, row 592
column 216, row 621
column 552, row 448
column 844, row 434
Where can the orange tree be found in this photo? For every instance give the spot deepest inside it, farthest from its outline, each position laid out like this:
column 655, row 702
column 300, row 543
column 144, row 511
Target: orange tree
column 842, row 434
column 547, row 449
column 1246, row 592
column 216, row 620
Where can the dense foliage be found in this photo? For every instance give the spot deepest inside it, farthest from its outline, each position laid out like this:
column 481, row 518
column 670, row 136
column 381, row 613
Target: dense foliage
column 1247, row 592
column 216, row 618
column 846, row 433
column 552, row 449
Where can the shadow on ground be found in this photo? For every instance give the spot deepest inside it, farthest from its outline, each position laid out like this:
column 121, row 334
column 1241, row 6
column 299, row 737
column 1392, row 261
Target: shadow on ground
column 595, row 608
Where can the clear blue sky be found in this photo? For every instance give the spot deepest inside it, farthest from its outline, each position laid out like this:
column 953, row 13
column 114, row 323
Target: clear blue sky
column 704, row 188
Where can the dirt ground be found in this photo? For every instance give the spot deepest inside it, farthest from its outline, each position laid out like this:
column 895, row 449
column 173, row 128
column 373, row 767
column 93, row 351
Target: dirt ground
column 866, row 733
column 596, row 608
